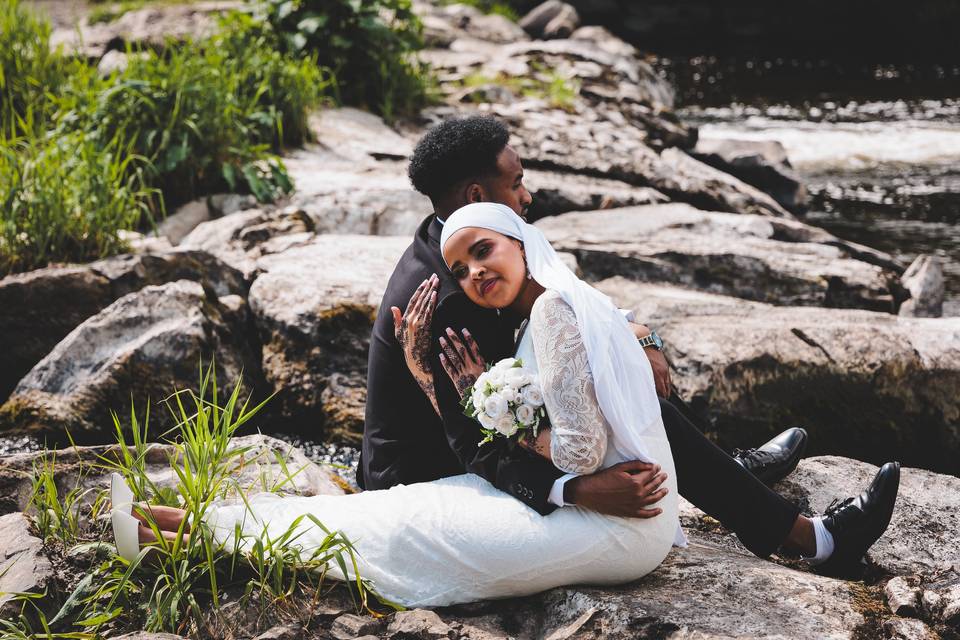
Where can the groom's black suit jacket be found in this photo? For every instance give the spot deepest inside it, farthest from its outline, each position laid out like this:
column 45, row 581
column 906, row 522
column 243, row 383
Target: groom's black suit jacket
column 404, row 441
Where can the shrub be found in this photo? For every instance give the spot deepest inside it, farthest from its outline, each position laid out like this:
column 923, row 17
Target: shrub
column 28, row 69
column 65, row 197
column 369, row 46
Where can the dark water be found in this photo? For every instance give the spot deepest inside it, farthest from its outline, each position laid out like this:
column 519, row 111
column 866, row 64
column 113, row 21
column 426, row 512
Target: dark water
column 877, row 145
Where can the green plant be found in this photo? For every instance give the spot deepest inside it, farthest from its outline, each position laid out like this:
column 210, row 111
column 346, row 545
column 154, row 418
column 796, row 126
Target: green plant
column 66, row 197
column 29, row 70
column 60, row 517
column 557, row 90
column 369, row 45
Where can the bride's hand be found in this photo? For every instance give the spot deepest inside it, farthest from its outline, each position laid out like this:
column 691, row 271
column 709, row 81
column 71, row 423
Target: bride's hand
column 412, row 330
column 461, row 359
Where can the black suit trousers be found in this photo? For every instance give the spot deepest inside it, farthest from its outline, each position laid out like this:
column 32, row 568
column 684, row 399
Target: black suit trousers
column 716, row 484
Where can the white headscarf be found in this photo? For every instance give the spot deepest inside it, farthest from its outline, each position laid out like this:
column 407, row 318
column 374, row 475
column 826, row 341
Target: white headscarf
column 621, row 371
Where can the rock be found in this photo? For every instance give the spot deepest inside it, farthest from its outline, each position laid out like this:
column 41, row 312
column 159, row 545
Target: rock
column 705, row 591
column 148, row 27
column 23, row 566
column 905, row 629
column 50, row 302
column 349, row 626
column 762, row 164
column 924, row 528
column 924, row 280
column 224, row 204
column 903, row 595
column 617, row 149
column 555, row 193
column 283, row 632
column 358, row 135
column 176, row 226
column 552, row 19
column 141, row 347
column 470, row 22
column 755, row 257
column 418, row 624
column 314, row 307
column 863, row 384
column 266, row 464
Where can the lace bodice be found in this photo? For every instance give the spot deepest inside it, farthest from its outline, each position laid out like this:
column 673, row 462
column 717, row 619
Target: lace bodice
column 578, row 441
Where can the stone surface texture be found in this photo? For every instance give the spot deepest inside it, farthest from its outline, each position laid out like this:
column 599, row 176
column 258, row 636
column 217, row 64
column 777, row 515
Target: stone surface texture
column 24, row 568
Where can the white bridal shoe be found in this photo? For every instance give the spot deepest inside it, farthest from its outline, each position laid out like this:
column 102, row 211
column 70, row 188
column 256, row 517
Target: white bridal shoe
column 125, row 526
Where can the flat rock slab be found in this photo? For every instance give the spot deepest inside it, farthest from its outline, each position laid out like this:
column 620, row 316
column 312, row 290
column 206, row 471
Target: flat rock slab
column 314, row 306
column 702, row 591
column 924, row 533
column 753, row 257
column 23, row 566
column 864, row 384
column 144, row 346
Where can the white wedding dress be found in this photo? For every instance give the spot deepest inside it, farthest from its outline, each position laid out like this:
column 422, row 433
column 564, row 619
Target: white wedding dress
column 460, row 539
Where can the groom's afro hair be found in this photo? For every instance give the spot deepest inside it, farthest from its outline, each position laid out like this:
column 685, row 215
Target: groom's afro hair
column 456, row 150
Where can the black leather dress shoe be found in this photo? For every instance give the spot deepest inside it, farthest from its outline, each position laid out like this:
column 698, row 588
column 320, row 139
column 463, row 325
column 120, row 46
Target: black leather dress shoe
column 775, row 460
column 856, row 523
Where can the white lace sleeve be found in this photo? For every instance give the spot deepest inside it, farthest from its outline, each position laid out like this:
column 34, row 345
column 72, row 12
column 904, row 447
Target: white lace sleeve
column 578, row 440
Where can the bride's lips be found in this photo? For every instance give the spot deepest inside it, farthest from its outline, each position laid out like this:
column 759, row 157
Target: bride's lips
column 486, row 285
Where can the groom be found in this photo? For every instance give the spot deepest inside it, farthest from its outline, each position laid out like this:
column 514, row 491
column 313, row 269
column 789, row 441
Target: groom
column 405, row 441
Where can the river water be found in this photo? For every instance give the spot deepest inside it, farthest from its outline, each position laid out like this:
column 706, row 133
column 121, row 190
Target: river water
column 878, row 146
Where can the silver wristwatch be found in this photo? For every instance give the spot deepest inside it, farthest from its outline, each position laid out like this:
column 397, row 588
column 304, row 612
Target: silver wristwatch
column 652, row 340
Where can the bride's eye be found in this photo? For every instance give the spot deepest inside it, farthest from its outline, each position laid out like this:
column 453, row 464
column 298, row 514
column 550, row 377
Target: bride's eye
column 483, row 250
column 459, row 273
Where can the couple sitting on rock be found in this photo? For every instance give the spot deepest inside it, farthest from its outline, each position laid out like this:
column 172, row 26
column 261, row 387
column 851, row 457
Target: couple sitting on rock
column 593, row 496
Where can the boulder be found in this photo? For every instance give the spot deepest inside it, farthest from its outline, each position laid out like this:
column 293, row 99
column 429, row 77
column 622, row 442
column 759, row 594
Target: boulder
column 23, row 566
column 924, row 280
column 869, row 385
column 755, row 257
column 43, row 306
column 907, row 629
column 552, row 19
column 314, row 306
column 921, row 538
column 470, row 22
column 358, row 135
column 140, row 348
column 761, row 163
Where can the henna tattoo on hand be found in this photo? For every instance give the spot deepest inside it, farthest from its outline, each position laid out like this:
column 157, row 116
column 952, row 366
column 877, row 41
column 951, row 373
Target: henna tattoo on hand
column 426, row 385
column 463, row 382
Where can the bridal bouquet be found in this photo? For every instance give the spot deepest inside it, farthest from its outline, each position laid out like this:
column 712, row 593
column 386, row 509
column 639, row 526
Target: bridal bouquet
column 506, row 399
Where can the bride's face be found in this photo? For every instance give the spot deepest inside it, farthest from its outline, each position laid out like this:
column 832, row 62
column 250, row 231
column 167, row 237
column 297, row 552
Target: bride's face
column 487, row 265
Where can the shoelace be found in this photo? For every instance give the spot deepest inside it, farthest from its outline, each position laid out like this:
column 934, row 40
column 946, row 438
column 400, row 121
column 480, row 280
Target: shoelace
column 837, row 505
column 755, row 457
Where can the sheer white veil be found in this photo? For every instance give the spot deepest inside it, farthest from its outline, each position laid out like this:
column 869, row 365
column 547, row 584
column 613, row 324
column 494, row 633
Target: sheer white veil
column 621, row 371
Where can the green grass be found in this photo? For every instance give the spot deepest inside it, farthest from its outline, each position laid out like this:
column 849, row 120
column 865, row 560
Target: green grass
column 179, row 588
column 558, row 91
column 495, row 7
column 105, row 154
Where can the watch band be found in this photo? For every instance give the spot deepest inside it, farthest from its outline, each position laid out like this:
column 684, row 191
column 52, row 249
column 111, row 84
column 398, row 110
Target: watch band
column 652, row 340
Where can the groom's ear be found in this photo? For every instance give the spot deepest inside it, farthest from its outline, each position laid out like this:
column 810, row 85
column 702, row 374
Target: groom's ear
column 474, row 192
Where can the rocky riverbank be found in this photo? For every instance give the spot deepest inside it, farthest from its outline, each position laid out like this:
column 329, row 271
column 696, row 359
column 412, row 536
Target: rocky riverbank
column 769, row 322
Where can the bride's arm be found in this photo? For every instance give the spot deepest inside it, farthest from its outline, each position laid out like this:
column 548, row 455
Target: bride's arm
column 578, row 431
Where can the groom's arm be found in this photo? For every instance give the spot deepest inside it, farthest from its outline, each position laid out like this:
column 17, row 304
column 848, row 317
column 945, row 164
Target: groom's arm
column 513, row 470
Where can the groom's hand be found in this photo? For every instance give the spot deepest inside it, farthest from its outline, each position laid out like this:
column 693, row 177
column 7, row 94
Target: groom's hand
column 626, row 489
column 661, row 369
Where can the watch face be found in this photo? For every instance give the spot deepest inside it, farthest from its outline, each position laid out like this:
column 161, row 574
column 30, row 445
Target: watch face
column 656, row 339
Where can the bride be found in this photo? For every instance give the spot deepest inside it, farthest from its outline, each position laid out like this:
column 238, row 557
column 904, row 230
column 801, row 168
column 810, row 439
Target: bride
column 459, row 539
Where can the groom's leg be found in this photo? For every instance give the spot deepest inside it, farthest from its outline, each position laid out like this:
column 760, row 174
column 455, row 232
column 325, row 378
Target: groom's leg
column 711, row 480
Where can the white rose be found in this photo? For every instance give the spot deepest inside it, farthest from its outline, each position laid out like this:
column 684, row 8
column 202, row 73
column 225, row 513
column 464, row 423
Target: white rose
column 525, row 414
column 486, row 421
column 495, row 377
column 503, row 365
column 509, row 394
column 516, row 377
column 477, row 400
column 533, row 396
column 495, row 406
column 507, row 425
